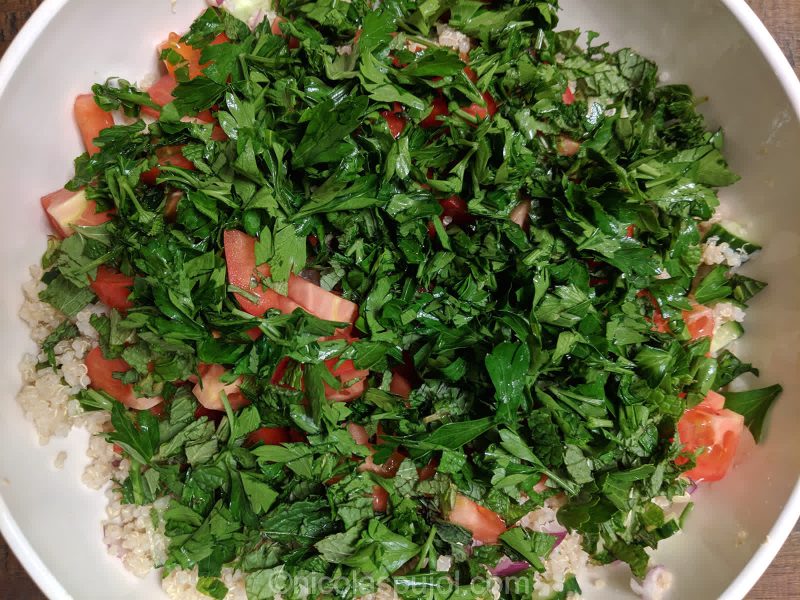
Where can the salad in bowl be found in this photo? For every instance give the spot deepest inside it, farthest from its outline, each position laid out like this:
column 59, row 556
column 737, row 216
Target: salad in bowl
column 402, row 300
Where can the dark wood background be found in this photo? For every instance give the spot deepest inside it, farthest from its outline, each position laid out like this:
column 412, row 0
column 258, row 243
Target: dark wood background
column 781, row 581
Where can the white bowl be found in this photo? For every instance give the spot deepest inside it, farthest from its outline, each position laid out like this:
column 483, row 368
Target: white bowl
column 719, row 47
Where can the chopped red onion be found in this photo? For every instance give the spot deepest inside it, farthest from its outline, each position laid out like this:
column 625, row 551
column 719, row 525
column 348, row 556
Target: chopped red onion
column 692, row 487
column 506, row 567
column 559, row 535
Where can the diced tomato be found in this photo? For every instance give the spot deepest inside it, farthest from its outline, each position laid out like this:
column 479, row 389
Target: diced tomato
column 240, row 257
column 168, row 156
column 484, row 524
column 190, row 56
column 456, row 209
column 699, row 321
column 358, row 433
column 429, row 470
column 213, row 415
column 568, row 97
column 438, row 109
column 479, row 111
column 380, row 499
column 161, row 93
column 660, row 324
column 91, row 120
column 630, row 230
column 394, row 121
column 269, row 436
column 519, row 214
column 64, row 209
column 112, row 288
column 400, row 386
column 470, row 74
column 566, row 146
column 222, row 38
column 208, row 390
column 321, row 303
column 254, row 333
column 717, row 431
column 345, row 372
column 276, row 30
column 101, row 373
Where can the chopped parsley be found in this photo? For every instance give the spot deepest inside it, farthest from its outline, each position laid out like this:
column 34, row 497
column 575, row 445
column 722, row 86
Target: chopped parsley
column 547, row 347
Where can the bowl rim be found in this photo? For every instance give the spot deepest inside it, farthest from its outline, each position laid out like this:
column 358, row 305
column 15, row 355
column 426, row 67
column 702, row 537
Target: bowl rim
column 756, row 566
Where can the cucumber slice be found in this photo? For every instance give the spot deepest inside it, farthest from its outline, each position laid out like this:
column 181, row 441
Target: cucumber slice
column 727, row 333
column 732, row 233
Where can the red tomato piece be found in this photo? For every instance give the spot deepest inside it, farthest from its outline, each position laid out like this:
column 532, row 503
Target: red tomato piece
column 429, row 470
column 213, row 415
column 699, row 321
column 276, row 30
column 394, row 121
column 630, row 230
column 222, row 38
column 321, row 303
column 64, row 209
column 520, row 213
column 485, row 525
column 208, row 390
column 566, row 146
column 400, row 386
column 168, row 156
column 717, row 431
column 101, row 373
column 380, row 499
column 268, row 436
column 480, row 112
column 470, row 74
column 91, row 120
column 660, row 324
column 112, row 288
column 456, row 209
column 438, row 109
column 346, row 373
column 568, row 97
column 190, row 56
column 160, row 93
column 240, row 257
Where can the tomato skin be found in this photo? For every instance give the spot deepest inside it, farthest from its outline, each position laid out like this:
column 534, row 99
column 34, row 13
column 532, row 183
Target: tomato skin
column 484, row 524
column 630, row 230
column 429, row 470
column 65, row 209
column 438, row 109
column 91, row 120
column 660, row 324
column 699, row 321
column 112, row 288
column 160, row 93
column 240, row 257
column 715, row 429
column 568, row 97
column 268, row 436
column 209, row 387
column 213, row 415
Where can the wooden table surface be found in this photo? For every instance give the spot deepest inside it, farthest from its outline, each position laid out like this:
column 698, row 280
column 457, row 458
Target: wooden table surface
column 780, row 582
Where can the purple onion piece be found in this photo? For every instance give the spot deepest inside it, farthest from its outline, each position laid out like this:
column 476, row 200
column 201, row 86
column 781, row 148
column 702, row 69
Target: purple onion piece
column 692, row 487
column 559, row 535
column 506, row 567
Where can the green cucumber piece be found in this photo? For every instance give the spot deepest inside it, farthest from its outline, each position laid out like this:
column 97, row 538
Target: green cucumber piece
column 727, row 333
column 732, row 233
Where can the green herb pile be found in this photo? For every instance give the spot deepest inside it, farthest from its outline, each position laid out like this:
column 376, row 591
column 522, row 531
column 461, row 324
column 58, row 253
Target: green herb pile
column 531, row 350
